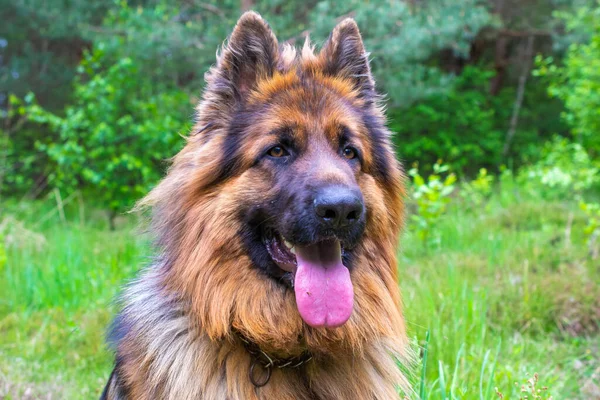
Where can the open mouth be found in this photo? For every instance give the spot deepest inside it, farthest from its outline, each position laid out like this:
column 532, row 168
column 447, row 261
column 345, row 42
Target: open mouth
column 281, row 251
column 324, row 292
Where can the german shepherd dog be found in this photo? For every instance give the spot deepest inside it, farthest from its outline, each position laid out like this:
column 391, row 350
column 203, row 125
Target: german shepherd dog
column 276, row 228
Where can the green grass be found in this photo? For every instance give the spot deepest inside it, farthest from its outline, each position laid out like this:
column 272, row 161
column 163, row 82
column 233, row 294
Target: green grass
column 504, row 297
column 501, row 296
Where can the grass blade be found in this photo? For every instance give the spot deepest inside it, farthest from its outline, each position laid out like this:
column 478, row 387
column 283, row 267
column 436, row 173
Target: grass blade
column 424, row 369
column 483, row 365
column 442, row 380
column 455, row 373
column 488, row 391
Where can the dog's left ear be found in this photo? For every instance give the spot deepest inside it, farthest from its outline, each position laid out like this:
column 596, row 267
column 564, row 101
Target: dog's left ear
column 344, row 55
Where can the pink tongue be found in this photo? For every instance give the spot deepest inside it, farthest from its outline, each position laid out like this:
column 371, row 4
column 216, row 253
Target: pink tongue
column 324, row 293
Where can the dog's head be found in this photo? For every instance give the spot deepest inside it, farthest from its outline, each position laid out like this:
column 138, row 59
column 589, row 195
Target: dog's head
column 281, row 214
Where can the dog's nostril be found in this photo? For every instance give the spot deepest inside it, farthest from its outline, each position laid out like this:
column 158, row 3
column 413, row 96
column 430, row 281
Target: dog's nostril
column 329, row 214
column 352, row 215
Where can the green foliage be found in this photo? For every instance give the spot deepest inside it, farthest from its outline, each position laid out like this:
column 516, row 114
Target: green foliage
column 171, row 43
column 2, row 252
column 467, row 126
column 479, row 190
column 564, row 170
column 592, row 213
column 423, row 56
column 114, row 139
column 41, row 44
column 23, row 167
column 458, row 126
column 577, row 82
column 431, row 197
column 176, row 40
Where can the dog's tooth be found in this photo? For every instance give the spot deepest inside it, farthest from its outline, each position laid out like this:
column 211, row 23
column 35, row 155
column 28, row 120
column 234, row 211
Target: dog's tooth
column 287, row 244
column 293, row 250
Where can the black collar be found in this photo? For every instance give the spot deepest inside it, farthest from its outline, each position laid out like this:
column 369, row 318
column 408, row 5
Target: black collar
column 267, row 362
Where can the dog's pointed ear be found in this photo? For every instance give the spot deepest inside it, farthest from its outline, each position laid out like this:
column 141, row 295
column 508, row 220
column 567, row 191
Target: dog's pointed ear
column 251, row 54
column 344, row 55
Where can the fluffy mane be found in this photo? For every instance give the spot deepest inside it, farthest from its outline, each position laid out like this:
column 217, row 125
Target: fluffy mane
column 181, row 317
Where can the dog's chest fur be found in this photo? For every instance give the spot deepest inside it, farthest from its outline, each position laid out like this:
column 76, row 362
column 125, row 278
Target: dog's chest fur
column 168, row 358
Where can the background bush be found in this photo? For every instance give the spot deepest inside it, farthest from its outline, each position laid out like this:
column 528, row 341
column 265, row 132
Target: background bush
column 575, row 79
column 113, row 141
column 111, row 76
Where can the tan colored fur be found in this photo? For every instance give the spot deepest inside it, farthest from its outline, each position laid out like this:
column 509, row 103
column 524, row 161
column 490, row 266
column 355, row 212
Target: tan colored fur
column 182, row 313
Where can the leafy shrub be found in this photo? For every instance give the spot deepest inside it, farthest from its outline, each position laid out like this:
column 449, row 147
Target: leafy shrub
column 466, row 126
column 173, row 42
column 22, row 166
column 432, row 197
column 592, row 228
column 577, row 82
column 564, row 170
column 112, row 142
column 3, row 257
column 477, row 191
column 592, row 211
column 458, row 126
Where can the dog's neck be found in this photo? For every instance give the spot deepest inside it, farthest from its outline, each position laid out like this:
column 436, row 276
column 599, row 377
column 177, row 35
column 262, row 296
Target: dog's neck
column 263, row 363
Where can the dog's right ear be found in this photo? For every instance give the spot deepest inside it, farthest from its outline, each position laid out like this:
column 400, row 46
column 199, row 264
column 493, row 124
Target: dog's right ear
column 344, row 55
column 251, row 54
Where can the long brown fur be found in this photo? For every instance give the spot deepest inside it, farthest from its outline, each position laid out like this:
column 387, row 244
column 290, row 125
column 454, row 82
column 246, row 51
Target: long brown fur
column 177, row 336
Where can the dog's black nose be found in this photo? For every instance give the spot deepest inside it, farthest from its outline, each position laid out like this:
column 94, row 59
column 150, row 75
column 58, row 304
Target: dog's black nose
column 338, row 207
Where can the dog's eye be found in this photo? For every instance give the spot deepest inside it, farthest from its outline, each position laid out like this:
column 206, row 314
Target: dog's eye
column 349, row 153
column 277, row 152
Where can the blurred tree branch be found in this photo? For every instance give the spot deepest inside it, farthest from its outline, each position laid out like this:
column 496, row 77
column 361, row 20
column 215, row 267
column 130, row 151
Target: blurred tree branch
column 525, row 33
column 528, row 57
column 105, row 31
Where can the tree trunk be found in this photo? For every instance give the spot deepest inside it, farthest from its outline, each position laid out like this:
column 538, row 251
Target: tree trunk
column 500, row 64
column 112, row 216
column 528, row 57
